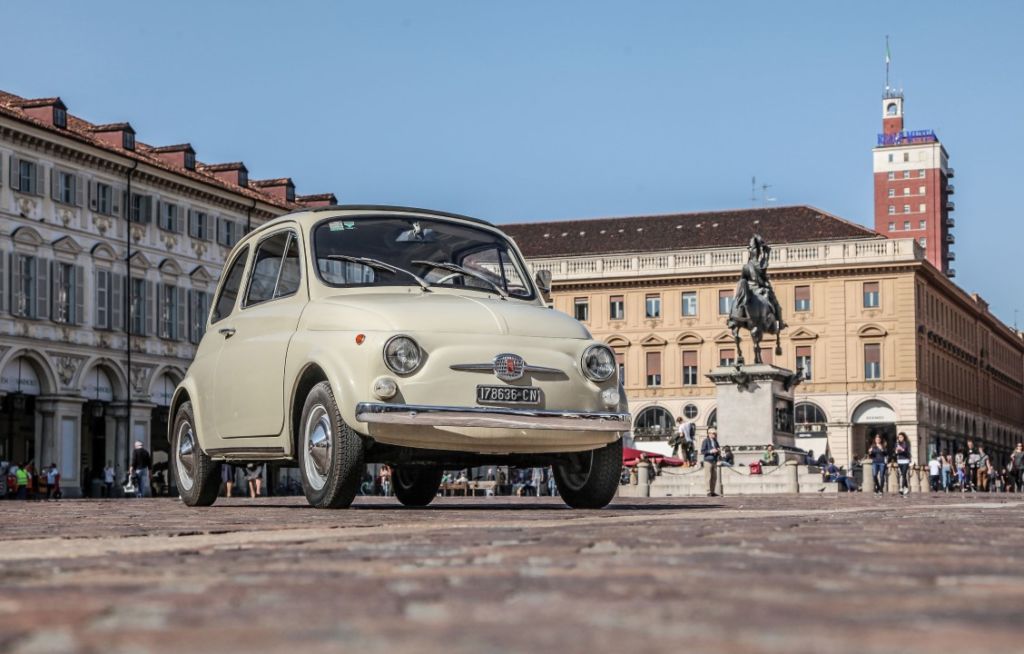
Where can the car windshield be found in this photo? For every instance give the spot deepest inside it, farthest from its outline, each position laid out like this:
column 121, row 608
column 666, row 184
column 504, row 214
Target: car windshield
column 420, row 246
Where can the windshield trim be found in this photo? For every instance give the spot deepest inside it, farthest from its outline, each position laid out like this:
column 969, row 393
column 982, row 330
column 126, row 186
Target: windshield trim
column 505, row 241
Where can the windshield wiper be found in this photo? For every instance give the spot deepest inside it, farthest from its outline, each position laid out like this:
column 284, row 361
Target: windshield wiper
column 376, row 264
column 456, row 268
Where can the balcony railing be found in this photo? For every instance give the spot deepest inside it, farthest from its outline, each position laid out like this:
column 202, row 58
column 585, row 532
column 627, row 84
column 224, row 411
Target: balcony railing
column 951, row 256
column 950, row 189
column 951, row 206
column 950, row 222
column 950, row 239
column 711, row 260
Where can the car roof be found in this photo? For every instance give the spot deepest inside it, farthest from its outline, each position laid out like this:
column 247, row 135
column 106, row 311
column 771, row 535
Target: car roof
column 315, row 214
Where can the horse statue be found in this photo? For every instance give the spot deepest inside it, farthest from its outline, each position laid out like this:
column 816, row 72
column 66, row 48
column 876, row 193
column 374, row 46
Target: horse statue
column 755, row 307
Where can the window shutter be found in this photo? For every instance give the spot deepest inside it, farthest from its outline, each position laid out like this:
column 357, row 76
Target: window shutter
column 101, row 296
column 94, row 203
column 54, row 183
column 181, row 316
column 79, row 317
column 150, row 208
column 115, row 201
column 3, row 282
column 42, row 270
column 150, row 309
column 191, row 223
column 654, row 363
column 116, row 301
column 79, row 187
column 17, row 284
column 39, row 180
column 15, row 173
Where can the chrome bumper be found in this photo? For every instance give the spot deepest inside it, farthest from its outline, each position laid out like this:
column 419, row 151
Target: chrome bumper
column 494, row 417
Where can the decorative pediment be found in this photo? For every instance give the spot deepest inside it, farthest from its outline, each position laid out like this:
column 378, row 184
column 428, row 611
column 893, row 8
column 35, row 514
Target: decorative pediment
column 170, row 267
column 871, row 331
column 689, row 338
column 139, row 260
column 104, row 251
column 725, row 337
column 27, row 236
column 803, row 334
column 199, row 274
column 616, row 340
column 68, row 245
column 653, row 340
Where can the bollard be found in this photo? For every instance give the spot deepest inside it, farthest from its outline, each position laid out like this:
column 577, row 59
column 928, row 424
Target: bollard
column 892, row 479
column 643, row 475
column 916, row 484
column 792, row 472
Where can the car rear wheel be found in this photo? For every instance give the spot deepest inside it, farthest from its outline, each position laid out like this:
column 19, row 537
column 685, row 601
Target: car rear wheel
column 416, row 485
column 194, row 473
column 589, row 480
column 330, row 452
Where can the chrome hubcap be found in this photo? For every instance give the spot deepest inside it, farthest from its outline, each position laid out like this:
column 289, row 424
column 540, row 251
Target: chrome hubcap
column 318, row 444
column 186, row 455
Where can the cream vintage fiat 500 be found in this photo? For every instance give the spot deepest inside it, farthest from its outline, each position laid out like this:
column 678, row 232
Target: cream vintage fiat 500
column 349, row 335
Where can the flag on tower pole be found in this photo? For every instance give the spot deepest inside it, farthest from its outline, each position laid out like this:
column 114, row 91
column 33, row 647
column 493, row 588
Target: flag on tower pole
column 888, row 55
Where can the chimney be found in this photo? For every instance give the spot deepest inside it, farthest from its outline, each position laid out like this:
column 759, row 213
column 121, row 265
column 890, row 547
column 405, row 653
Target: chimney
column 318, row 200
column 180, row 156
column 234, row 173
column 119, row 135
column 282, row 188
column 51, row 111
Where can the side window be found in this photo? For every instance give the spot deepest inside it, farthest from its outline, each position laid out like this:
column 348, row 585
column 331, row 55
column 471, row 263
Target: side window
column 290, row 270
column 266, row 266
column 229, row 292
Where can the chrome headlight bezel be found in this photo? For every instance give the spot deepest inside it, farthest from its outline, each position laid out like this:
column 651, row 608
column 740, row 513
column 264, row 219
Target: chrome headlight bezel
column 587, row 358
column 391, row 348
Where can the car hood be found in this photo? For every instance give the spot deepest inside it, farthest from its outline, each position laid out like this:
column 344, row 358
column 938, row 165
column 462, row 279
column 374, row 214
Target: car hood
column 439, row 312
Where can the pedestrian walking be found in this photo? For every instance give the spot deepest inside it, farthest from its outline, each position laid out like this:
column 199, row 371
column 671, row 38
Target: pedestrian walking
column 385, row 480
column 711, row 452
column 254, row 477
column 903, row 458
column 878, row 455
column 947, row 471
column 52, row 483
column 227, row 477
column 982, row 474
column 139, row 469
column 973, row 459
column 934, row 472
column 21, row 482
column 108, row 480
column 1017, row 466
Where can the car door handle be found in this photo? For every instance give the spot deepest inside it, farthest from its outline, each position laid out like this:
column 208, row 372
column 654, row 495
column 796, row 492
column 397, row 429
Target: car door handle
column 227, row 331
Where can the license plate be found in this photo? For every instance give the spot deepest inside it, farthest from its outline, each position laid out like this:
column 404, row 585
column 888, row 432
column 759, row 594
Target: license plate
column 508, row 394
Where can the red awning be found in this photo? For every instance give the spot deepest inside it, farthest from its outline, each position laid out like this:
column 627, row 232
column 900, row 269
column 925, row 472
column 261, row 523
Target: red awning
column 631, row 456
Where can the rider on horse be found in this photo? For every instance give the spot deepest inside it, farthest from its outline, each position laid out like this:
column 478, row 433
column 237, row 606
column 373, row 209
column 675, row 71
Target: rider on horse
column 755, row 307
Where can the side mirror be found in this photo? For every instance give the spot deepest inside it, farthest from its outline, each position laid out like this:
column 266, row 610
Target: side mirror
column 543, row 280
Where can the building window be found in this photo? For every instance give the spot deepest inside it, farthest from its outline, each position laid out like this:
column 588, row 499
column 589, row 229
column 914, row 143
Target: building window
column 689, row 367
column 170, row 217
column 654, row 368
column 906, row 225
column 803, row 360
column 870, row 295
column 906, row 174
column 920, row 173
column 620, row 364
column 198, row 311
column 140, row 306
column 68, row 289
column 227, row 232
column 872, row 361
column 690, row 411
column 802, row 298
column 109, row 300
column 60, row 117
column 128, row 140
column 725, row 300
column 727, row 357
column 892, row 175
column 892, row 193
column 906, row 157
column 581, row 309
column 617, row 307
column 906, row 190
column 66, row 187
column 652, row 306
column 920, row 190
column 29, row 177
column 892, row 227
column 199, row 225
column 923, row 241
column 890, row 157
column 140, row 208
column 190, row 160
column 921, row 207
column 30, row 286
column 906, row 208
column 922, row 224
column 172, row 312
column 689, row 304
column 104, row 198
column 892, row 209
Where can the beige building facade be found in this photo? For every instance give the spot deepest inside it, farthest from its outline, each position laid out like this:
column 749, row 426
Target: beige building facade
column 886, row 341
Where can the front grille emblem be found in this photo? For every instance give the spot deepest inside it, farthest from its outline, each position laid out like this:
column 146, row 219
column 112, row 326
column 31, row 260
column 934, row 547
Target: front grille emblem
column 508, row 367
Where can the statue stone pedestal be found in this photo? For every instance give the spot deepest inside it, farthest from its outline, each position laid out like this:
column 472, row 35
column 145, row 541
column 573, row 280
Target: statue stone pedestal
column 755, row 410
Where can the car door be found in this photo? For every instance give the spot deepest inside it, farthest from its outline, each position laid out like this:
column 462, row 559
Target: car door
column 250, row 366
column 204, row 366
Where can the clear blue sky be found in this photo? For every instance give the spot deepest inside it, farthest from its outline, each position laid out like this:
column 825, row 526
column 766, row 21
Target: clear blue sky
column 520, row 111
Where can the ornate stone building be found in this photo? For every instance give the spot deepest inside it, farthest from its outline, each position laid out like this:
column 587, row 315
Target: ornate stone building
column 109, row 251
column 888, row 342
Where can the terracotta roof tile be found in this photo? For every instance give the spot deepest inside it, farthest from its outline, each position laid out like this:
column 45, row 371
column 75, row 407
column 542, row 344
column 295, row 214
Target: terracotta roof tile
column 279, row 181
column 214, row 168
column 708, row 229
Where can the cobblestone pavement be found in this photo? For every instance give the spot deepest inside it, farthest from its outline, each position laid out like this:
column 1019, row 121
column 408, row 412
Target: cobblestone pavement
column 768, row 574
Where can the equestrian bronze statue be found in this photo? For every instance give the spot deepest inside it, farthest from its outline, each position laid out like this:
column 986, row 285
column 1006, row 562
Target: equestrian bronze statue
column 755, row 307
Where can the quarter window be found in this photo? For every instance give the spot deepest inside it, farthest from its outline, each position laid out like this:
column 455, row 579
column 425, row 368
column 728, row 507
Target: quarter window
column 275, row 269
column 229, row 292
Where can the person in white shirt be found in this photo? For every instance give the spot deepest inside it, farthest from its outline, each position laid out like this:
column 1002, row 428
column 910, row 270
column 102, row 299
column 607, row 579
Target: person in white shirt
column 934, row 472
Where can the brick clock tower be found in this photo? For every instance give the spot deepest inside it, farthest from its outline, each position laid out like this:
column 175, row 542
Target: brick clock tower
column 912, row 187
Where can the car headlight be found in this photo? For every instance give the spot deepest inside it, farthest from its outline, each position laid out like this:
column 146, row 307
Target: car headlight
column 402, row 355
column 598, row 363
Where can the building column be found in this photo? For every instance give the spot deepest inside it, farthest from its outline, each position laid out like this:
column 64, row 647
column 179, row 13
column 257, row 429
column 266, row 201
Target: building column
column 60, row 439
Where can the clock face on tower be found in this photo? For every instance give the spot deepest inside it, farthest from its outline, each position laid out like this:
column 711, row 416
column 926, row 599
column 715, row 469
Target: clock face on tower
column 891, row 109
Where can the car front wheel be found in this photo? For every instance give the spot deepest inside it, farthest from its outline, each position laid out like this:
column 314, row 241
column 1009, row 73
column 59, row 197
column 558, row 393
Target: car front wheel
column 330, row 452
column 589, row 480
column 416, row 485
column 194, row 473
